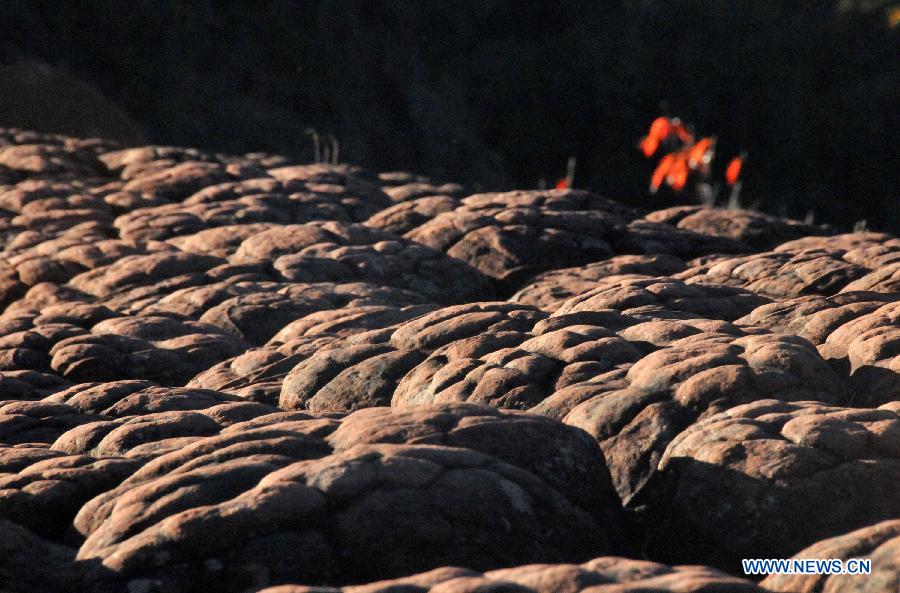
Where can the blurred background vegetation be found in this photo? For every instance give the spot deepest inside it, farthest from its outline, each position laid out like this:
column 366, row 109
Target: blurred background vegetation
column 493, row 93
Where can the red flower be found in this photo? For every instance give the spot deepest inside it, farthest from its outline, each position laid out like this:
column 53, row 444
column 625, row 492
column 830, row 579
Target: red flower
column 683, row 155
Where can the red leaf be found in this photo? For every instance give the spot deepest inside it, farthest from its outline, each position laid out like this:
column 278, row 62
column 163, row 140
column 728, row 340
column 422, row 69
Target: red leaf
column 649, row 145
column 660, row 129
column 678, row 172
column 733, row 171
column 662, row 170
column 700, row 153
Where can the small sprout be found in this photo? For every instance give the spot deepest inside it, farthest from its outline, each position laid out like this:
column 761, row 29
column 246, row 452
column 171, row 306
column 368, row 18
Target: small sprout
column 734, row 199
column 567, row 181
column 326, row 149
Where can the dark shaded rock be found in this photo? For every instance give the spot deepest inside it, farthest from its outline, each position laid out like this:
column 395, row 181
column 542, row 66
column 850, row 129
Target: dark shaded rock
column 160, row 349
column 141, row 270
column 856, row 331
column 404, row 217
column 231, row 530
column 512, row 236
column 760, row 231
column 768, row 478
column 551, row 289
column 651, row 238
column 363, row 371
column 666, row 391
column 258, row 374
column 660, row 298
column 783, row 273
column 48, row 159
column 414, row 190
column 333, row 252
column 29, row 385
column 879, row 543
column 38, row 421
column 567, row 459
column 42, row 490
column 601, row 575
column 846, row 241
column 29, row 563
column 178, row 181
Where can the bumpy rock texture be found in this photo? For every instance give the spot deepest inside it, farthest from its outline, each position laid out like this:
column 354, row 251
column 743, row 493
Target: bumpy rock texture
column 230, row 373
column 878, row 543
column 607, row 574
column 763, row 478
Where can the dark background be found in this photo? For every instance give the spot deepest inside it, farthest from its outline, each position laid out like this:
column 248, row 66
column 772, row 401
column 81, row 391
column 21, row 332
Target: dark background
column 490, row 93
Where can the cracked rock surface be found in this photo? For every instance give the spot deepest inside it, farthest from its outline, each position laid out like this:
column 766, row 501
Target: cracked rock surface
column 241, row 373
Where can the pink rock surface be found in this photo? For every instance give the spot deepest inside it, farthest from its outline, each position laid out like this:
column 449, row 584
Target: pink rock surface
column 231, row 372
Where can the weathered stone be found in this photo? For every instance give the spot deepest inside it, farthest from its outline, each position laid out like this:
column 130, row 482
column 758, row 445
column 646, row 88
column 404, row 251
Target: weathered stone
column 879, row 544
column 768, row 478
